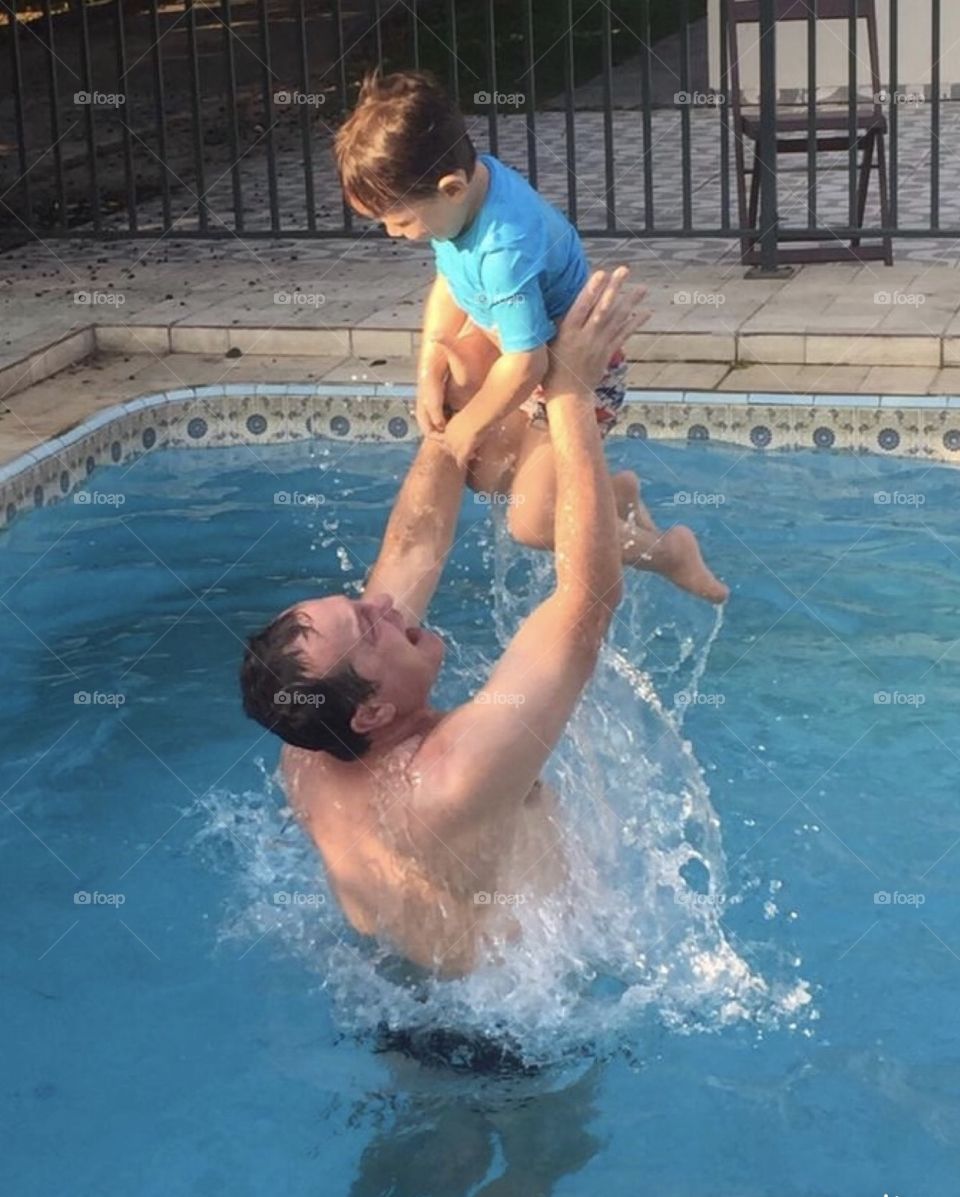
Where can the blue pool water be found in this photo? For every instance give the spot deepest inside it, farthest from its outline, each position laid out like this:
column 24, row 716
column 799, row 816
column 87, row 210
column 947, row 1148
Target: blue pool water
column 736, row 1013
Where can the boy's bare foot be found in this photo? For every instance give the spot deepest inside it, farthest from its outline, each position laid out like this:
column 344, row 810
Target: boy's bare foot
column 676, row 555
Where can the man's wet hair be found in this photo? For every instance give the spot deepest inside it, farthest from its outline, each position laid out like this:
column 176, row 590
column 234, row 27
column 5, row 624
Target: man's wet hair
column 403, row 136
column 281, row 692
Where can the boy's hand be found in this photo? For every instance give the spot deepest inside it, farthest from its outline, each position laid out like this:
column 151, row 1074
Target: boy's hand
column 431, row 390
column 459, row 439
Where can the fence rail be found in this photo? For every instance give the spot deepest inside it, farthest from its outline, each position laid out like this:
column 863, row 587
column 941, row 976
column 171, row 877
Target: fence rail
column 132, row 119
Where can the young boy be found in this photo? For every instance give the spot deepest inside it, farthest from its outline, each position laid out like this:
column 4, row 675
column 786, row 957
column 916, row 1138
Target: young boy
column 509, row 266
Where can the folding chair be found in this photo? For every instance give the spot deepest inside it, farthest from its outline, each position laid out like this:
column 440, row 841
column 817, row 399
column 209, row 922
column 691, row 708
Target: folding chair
column 829, row 131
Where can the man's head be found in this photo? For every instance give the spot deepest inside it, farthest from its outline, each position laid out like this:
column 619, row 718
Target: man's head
column 405, row 158
column 337, row 674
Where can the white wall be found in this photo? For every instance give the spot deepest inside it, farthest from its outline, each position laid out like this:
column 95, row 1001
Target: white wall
column 914, row 57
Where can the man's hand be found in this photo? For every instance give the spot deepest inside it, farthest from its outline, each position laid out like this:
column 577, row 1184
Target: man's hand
column 594, row 328
column 459, row 439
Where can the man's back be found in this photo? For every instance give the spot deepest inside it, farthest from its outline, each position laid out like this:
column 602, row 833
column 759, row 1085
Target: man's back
column 443, row 900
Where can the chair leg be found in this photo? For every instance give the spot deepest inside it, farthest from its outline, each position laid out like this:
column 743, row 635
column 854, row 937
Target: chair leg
column 741, row 168
column 866, row 165
column 884, row 201
column 754, row 193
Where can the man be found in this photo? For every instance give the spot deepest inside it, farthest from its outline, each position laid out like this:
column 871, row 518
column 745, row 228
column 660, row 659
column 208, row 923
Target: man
column 434, row 826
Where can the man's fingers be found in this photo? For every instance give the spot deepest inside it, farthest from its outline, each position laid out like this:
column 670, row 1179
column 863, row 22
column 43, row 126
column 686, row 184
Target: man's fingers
column 583, row 306
column 610, row 296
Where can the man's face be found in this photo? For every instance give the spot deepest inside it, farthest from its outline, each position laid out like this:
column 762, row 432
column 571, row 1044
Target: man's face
column 371, row 635
column 440, row 216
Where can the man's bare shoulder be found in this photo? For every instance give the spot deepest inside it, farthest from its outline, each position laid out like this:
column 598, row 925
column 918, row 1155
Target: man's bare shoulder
column 440, row 782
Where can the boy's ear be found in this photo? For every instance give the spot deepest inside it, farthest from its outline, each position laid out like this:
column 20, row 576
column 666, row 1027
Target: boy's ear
column 454, row 185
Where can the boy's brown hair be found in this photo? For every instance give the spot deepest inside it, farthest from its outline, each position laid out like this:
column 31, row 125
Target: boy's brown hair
column 403, row 136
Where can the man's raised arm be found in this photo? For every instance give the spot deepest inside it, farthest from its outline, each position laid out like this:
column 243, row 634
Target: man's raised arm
column 419, row 532
column 491, row 750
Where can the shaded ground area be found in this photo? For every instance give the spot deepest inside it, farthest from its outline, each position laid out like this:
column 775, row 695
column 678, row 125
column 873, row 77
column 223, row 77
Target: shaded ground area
column 175, row 135
column 155, row 122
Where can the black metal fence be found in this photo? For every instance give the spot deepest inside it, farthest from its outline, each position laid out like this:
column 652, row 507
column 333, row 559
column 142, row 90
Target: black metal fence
column 132, row 118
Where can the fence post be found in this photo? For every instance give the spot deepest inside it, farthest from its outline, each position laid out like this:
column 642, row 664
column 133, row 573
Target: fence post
column 767, row 164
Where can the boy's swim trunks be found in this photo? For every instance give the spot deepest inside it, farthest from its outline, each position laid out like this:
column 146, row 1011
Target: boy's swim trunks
column 609, row 396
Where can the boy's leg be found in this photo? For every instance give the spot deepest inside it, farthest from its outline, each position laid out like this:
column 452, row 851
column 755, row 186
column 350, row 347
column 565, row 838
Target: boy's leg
column 675, row 553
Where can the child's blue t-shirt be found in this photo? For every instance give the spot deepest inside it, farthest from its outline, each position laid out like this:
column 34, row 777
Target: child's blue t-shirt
column 518, row 266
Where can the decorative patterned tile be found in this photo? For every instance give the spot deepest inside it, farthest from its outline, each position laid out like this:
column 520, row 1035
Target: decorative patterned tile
column 891, row 432
column 250, row 414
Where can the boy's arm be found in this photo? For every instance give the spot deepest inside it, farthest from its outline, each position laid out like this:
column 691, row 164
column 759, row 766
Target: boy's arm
column 510, row 380
column 442, row 320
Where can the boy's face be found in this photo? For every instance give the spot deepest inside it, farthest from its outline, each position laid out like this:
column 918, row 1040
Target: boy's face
column 440, row 216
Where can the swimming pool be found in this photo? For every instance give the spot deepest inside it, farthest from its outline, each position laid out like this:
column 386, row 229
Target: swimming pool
column 173, row 1025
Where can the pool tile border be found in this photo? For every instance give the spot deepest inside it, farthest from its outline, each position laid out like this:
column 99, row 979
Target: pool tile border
column 233, row 414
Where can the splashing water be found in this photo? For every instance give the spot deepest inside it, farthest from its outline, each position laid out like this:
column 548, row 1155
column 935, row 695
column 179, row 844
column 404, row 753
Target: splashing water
column 638, row 936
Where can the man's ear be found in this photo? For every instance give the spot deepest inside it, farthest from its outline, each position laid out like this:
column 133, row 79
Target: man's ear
column 454, row 185
column 370, row 715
